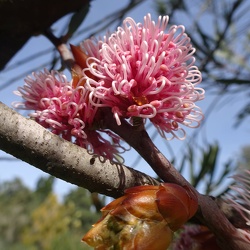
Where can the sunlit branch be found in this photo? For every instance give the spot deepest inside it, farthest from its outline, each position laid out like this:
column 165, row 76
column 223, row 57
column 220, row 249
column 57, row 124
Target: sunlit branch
column 61, row 47
column 27, row 140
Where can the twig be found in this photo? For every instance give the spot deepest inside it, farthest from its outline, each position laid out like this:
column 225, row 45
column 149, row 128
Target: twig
column 62, row 48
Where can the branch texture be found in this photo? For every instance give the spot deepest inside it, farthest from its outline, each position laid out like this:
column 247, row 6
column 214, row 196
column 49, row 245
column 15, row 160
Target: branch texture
column 27, row 140
column 30, row 142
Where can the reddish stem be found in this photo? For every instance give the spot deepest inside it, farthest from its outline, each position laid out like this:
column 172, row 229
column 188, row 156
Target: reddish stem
column 209, row 213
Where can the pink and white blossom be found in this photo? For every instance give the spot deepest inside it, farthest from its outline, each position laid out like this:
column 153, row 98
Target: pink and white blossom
column 66, row 111
column 142, row 71
column 239, row 195
column 57, row 105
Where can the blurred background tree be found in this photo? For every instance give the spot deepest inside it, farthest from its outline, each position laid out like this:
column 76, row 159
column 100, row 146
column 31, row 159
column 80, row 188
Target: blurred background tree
column 36, row 219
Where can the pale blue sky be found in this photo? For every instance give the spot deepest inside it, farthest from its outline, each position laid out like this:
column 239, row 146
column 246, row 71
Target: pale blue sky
column 218, row 125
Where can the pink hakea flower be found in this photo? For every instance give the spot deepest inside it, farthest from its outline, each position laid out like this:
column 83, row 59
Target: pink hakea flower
column 57, row 105
column 66, row 111
column 195, row 237
column 141, row 71
column 239, row 198
column 96, row 144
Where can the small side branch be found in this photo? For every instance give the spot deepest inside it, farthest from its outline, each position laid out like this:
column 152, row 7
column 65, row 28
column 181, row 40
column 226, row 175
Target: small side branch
column 62, row 48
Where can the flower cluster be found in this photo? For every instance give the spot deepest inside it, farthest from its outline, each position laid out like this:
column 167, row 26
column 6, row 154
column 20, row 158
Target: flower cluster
column 138, row 72
column 57, row 105
column 141, row 71
column 239, row 195
column 66, row 111
column 195, row 237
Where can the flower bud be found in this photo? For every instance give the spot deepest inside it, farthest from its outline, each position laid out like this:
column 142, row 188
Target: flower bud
column 144, row 218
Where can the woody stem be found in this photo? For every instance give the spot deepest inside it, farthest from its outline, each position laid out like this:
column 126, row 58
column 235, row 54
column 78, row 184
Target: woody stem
column 208, row 213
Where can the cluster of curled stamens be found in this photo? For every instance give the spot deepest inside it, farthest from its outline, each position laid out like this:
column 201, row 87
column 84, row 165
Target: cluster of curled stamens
column 140, row 72
column 239, row 195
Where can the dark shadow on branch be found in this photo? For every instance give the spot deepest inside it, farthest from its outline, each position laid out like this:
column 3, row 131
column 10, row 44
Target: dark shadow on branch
column 30, row 142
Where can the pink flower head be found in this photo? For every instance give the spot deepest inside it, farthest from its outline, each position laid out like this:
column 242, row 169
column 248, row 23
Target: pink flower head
column 239, row 197
column 57, row 105
column 195, row 237
column 141, row 71
column 66, row 111
column 198, row 237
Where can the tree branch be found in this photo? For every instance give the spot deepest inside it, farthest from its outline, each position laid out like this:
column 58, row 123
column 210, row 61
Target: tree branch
column 65, row 53
column 20, row 20
column 209, row 213
column 27, row 140
column 30, row 142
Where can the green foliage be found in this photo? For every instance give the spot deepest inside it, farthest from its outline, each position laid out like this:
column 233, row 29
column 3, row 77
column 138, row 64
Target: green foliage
column 210, row 176
column 47, row 221
column 69, row 241
column 15, row 203
column 43, row 188
column 83, row 214
column 34, row 220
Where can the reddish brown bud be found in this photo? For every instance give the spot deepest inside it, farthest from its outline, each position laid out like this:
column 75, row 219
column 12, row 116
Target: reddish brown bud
column 80, row 63
column 144, row 218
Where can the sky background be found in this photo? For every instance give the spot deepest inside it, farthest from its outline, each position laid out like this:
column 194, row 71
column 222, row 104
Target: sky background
column 217, row 126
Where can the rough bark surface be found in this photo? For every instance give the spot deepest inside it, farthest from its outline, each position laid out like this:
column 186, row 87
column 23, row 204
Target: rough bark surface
column 27, row 140
column 30, row 142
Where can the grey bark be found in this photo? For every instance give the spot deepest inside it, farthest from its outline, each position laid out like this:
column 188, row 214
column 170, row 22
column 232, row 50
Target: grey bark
column 30, row 142
column 27, row 140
